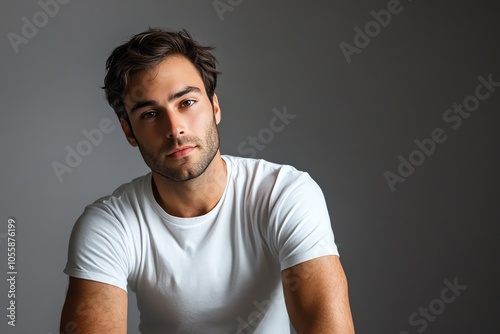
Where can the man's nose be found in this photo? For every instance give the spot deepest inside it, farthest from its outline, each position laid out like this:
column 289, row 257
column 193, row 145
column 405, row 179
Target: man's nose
column 175, row 125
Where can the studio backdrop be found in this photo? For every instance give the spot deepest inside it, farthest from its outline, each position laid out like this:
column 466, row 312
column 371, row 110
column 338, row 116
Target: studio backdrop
column 391, row 106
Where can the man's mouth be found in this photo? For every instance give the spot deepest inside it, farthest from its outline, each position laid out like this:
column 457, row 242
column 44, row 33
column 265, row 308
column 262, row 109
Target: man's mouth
column 181, row 151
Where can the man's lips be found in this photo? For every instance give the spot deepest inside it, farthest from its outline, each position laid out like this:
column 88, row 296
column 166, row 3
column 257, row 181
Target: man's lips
column 181, row 151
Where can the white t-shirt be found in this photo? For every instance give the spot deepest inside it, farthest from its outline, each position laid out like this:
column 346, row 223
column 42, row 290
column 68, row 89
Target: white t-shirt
column 217, row 273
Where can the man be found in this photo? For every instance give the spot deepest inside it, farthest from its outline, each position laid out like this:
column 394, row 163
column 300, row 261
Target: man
column 209, row 243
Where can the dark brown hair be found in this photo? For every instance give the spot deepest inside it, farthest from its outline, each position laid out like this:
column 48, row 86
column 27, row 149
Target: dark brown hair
column 146, row 50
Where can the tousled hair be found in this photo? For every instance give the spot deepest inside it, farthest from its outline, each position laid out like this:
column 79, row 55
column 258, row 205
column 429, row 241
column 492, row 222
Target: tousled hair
column 146, row 50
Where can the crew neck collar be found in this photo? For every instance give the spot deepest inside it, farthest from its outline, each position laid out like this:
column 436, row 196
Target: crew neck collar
column 192, row 221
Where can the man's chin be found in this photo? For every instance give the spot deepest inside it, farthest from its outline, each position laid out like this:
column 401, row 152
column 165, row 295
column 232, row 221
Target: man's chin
column 178, row 175
column 182, row 169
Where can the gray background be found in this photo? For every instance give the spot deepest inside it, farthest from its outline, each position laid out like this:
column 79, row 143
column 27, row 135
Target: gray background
column 353, row 121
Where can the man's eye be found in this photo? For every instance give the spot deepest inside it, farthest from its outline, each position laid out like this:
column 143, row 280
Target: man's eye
column 149, row 114
column 187, row 103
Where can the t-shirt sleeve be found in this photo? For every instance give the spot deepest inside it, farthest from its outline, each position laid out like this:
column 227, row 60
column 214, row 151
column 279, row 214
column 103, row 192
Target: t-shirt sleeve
column 97, row 249
column 302, row 226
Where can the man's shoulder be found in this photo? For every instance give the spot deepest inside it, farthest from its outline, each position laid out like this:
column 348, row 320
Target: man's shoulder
column 258, row 165
column 262, row 172
column 124, row 197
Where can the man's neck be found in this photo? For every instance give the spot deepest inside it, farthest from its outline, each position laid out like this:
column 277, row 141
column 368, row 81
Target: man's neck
column 195, row 197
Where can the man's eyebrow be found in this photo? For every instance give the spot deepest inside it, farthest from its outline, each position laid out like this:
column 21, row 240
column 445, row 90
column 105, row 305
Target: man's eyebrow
column 150, row 103
column 141, row 104
column 187, row 90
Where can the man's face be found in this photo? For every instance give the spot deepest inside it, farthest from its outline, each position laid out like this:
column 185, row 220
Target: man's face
column 173, row 122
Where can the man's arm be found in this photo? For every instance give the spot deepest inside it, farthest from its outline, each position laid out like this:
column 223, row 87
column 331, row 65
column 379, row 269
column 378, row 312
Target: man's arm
column 316, row 297
column 94, row 307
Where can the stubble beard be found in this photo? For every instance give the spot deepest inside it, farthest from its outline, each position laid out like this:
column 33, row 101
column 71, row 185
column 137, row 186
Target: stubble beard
column 186, row 169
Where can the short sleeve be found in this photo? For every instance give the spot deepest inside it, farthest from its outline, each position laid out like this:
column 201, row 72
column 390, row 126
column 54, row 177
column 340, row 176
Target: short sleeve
column 301, row 220
column 97, row 249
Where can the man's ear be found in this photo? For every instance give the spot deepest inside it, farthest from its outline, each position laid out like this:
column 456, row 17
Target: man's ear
column 217, row 113
column 129, row 134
